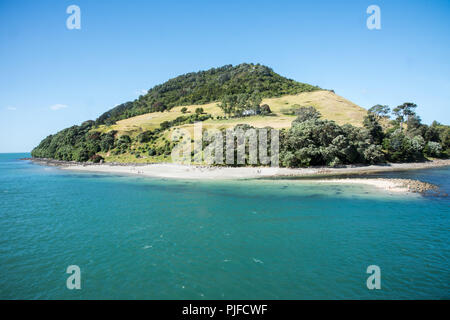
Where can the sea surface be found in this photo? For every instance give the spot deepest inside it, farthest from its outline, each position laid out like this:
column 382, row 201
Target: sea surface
column 144, row 238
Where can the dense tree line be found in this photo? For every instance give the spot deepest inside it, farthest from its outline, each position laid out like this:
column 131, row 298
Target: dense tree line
column 208, row 86
column 243, row 104
column 314, row 141
column 77, row 143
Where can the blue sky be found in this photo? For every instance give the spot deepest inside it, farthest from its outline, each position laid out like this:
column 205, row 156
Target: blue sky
column 52, row 77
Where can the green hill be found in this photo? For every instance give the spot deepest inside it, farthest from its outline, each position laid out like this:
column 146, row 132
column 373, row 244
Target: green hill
column 108, row 135
column 207, row 86
column 253, row 95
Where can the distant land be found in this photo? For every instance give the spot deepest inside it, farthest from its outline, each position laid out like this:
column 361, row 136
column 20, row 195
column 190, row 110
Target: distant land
column 318, row 127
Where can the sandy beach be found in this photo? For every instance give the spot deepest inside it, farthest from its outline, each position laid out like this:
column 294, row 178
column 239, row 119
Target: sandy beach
column 329, row 175
column 169, row 170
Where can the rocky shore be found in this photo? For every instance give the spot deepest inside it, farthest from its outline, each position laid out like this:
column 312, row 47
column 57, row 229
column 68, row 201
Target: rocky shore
column 391, row 185
column 417, row 186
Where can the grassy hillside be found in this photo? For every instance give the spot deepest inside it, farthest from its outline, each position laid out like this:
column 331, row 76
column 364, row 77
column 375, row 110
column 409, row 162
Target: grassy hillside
column 330, row 105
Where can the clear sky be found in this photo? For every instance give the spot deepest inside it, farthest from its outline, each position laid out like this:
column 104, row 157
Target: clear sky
column 52, row 77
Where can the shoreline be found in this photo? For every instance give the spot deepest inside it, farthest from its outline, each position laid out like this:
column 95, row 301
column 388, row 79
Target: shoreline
column 312, row 174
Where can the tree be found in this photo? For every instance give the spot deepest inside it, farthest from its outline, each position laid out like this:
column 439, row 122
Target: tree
column 433, row 149
column 107, row 142
column 199, row 111
column 306, row 113
column 255, row 100
column 202, row 87
column 373, row 127
column 403, row 111
column 323, row 142
column 228, row 104
column 125, row 139
column 265, row 109
column 414, row 126
column 183, row 110
column 145, row 136
column 380, row 111
column 432, row 133
column 403, row 148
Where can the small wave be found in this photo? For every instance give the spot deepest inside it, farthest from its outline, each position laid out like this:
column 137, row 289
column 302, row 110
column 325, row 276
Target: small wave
column 257, row 261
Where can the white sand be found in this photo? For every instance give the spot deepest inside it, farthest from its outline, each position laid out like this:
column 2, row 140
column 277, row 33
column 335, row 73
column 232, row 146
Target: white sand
column 392, row 185
column 169, row 170
column 205, row 173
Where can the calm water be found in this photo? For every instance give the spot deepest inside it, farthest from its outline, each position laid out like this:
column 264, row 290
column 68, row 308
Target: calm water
column 165, row 239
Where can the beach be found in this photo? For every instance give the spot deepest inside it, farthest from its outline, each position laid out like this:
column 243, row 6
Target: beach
column 329, row 175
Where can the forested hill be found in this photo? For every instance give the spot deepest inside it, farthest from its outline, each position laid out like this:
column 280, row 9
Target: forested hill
column 207, row 86
column 317, row 127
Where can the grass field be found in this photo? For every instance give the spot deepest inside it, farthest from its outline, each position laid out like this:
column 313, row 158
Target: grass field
column 330, row 105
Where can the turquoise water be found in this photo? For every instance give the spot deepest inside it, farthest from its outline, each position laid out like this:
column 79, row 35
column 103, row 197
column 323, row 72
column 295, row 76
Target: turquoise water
column 170, row 239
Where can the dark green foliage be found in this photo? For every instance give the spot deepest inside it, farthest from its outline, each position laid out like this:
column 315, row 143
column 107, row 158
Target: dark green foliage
column 402, row 148
column 373, row 127
column 306, row 113
column 146, row 136
column 243, row 104
column 432, row 133
column 185, row 119
column 207, row 86
column 183, row 110
column 199, row 111
column 124, row 139
column 72, row 144
column 322, row 142
column 265, row 110
column 247, row 161
column 414, row 126
column 433, row 149
column 123, row 144
column 443, row 133
column 380, row 111
column 404, row 111
column 107, row 141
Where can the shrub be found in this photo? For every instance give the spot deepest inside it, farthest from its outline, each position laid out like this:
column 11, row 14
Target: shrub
column 265, row 109
column 433, row 149
column 306, row 113
column 96, row 158
column 145, row 136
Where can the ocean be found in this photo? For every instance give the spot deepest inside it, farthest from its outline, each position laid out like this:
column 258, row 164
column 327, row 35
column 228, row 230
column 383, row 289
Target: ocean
column 144, row 238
